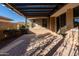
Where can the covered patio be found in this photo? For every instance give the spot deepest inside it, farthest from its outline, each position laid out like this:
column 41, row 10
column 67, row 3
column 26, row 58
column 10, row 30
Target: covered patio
column 52, row 32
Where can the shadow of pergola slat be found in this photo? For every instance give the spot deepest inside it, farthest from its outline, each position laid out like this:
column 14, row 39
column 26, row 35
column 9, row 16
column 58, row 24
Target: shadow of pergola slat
column 52, row 51
column 43, row 47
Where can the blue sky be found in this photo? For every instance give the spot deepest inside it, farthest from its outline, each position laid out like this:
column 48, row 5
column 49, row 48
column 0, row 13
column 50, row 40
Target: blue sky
column 6, row 12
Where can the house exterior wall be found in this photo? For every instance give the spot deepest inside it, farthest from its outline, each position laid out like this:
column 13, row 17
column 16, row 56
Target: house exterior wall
column 7, row 25
column 51, row 23
column 39, row 22
column 68, row 9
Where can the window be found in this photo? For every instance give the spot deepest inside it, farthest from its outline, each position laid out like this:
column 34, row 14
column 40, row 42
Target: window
column 44, row 23
column 76, row 16
column 61, row 21
column 58, row 23
column 76, row 12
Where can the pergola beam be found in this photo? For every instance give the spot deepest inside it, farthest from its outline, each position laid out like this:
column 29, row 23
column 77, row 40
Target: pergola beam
column 14, row 8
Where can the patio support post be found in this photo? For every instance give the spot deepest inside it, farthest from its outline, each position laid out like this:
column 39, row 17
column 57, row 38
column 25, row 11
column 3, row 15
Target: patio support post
column 53, row 24
column 69, row 18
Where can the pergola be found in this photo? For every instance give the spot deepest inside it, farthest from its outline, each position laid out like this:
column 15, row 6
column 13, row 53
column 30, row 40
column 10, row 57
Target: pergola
column 35, row 9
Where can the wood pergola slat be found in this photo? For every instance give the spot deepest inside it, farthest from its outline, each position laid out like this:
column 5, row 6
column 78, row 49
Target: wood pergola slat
column 36, row 9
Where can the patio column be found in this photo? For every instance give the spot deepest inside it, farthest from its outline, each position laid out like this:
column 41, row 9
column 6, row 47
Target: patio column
column 69, row 18
column 53, row 24
column 26, row 22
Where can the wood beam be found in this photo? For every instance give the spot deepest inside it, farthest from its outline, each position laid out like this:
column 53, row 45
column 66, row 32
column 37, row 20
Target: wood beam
column 37, row 8
column 64, row 9
column 29, row 16
column 35, row 3
column 13, row 8
column 36, row 14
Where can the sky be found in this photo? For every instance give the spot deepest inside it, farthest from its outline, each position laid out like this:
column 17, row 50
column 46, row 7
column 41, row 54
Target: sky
column 7, row 12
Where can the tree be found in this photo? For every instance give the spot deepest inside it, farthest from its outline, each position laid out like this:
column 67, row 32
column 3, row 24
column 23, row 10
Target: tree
column 22, row 27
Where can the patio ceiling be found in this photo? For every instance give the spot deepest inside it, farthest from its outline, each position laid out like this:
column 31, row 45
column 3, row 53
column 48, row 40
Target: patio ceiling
column 37, row 9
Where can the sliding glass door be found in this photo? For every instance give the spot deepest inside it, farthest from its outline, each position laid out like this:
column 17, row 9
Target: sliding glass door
column 61, row 21
column 76, row 16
